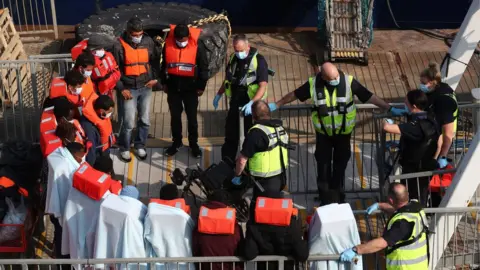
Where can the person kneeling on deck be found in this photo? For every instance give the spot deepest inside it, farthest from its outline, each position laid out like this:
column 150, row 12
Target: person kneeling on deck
column 71, row 87
column 275, row 230
column 265, row 150
column 418, row 144
column 173, row 238
column 334, row 113
column 105, row 73
column 405, row 237
column 98, row 126
column 217, row 232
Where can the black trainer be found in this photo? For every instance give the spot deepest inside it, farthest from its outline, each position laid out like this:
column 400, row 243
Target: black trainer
column 196, row 151
column 173, row 149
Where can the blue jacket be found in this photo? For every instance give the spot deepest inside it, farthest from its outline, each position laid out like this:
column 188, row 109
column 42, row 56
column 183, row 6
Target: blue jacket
column 93, row 135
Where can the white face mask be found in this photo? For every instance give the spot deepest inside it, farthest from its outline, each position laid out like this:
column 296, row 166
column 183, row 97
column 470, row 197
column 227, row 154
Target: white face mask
column 77, row 91
column 181, row 44
column 137, row 40
column 108, row 115
column 84, row 158
column 100, row 53
column 87, row 73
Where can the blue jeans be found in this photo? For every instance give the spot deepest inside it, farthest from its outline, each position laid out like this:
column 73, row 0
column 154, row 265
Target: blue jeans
column 140, row 102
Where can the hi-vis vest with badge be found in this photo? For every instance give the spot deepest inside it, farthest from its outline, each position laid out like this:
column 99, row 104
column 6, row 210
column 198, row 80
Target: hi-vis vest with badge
column 410, row 254
column 335, row 114
column 268, row 163
column 247, row 79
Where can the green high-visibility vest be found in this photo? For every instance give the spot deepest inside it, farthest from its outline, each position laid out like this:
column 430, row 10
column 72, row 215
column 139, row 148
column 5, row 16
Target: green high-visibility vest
column 268, row 163
column 338, row 110
column 410, row 254
column 246, row 79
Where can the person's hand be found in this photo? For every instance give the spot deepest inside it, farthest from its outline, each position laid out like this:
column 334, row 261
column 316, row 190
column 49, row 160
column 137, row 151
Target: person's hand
column 372, row 208
column 247, row 109
column 272, row 106
column 442, row 162
column 398, row 112
column 237, row 180
column 216, row 99
column 348, row 255
column 165, row 88
column 200, row 92
column 151, row 83
column 127, row 95
column 390, row 121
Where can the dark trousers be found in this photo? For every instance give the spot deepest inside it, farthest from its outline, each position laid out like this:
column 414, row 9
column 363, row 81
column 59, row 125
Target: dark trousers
column 232, row 128
column 332, row 154
column 177, row 100
column 57, row 242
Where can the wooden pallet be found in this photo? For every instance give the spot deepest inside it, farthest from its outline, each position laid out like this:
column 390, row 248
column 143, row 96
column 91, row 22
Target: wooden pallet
column 11, row 48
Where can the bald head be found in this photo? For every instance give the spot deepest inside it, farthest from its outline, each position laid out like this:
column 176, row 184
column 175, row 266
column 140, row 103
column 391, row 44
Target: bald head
column 398, row 193
column 260, row 110
column 329, row 71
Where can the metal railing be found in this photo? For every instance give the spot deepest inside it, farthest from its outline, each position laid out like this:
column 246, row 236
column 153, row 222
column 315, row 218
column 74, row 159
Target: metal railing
column 27, row 85
column 33, row 17
column 365, row 172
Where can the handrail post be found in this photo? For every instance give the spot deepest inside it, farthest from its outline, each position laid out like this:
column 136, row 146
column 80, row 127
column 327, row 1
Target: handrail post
column 241, row 128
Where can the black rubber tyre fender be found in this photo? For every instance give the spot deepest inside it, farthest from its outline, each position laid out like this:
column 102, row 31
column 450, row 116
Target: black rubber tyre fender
column 111, row 23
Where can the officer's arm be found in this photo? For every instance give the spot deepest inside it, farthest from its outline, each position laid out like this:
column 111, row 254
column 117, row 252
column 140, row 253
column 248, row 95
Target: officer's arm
column 262, row 76
column 372, row 246
column 290, row 97
column 445, row 141
column 262, row 87
column 391, row 128
column 379, row 102
column 240, row 164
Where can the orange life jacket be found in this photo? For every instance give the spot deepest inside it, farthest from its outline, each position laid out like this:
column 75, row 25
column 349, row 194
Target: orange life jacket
column 105, row 74
column 48, row 120
column 136, row 59
column 272, row 211
column 49, row 142
column 104, row 125
column 7, row 183
column 440, row 182
column 78, row 49
column 217, row 221
column 177, row 203
column 182, row 61
column 58, row 88
column 93, row 183
column 115, row 187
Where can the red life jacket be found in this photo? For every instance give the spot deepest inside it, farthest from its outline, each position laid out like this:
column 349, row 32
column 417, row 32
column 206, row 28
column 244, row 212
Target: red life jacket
column 181, row 61
column 93, row 183
column 49, row 142
column 217, row 221
column 177, row 203
column 48, row 120
column 105, row 74
column 104, row 125
column 440, row 182
column 79, row 48
column 277, row 212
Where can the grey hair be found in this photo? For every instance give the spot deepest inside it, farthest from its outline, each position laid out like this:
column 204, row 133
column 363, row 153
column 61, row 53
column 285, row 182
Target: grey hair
column 240, row 37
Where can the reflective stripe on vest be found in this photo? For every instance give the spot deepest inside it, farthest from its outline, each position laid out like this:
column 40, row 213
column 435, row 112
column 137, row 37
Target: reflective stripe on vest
column 135, row 59
column 413, row 256
column 247, row 79
column 181, row 61
column 341, row 109
column 268, row 164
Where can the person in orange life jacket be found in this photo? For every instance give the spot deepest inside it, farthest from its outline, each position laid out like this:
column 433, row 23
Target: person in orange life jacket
column 85, row 63
column 98, row 127
column 265, row 239
column 333, row 133
column 138, row 58
column 240, row 94
column 77, row 150
column 208, row 245
column 64, row 111
column 71, row 87
column 418, row 143
column 184, row 73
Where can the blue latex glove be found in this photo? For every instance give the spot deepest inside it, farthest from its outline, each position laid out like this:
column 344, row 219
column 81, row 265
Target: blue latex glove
column 442, row 163
column 372, row 208
column 237, row 180
column 272, row 106
column 398, row 112
column 247, row 109
column 390, row 121
column 216, row 99
column 348, row 255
